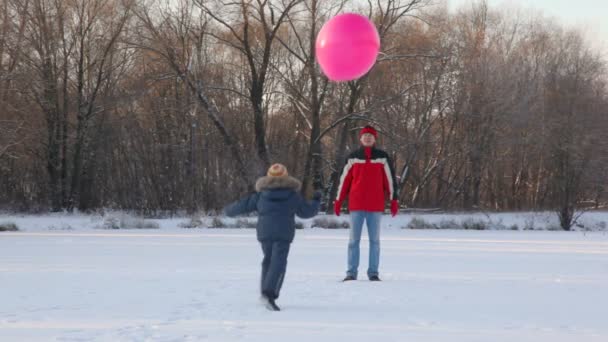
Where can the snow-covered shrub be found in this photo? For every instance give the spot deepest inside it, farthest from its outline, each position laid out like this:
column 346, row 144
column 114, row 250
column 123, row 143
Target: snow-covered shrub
column 129, row 222
column 467, row 223
column 448, row 224
column 329, row 223
column 8, row 227
column 529, row 224
column 496, row 225
column 474, row 224
column 217, row 223
column 244, row 223
column 420, row 223
column 194, row 222
column 63, row 226
column 124, row 221
column 111, row 222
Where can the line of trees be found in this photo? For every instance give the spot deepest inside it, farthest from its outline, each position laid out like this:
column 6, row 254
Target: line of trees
column 168, row 105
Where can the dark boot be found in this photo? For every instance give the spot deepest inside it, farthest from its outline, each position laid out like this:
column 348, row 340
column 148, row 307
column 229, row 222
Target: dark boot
column 272, row 305
column 269, row 303
column 374, row 278
column 349, row 278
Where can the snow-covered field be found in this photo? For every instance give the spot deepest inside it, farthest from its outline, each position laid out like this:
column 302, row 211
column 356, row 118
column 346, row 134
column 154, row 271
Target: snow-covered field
column 173, row 284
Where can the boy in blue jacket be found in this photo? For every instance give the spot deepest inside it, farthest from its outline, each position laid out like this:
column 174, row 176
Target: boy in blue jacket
column 277, row 201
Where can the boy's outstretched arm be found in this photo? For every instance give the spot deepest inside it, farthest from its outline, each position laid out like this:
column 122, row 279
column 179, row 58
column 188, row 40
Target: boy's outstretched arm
column 243, row 206
column 308, row 209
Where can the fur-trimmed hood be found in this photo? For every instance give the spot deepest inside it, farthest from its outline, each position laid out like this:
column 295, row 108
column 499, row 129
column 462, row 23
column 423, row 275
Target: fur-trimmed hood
column 269, row 183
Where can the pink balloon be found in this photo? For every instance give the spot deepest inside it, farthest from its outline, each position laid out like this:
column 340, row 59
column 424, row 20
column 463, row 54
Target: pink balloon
column 347, row 47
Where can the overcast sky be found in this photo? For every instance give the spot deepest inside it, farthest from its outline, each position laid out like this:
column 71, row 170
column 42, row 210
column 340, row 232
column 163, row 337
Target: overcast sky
column 589, row 15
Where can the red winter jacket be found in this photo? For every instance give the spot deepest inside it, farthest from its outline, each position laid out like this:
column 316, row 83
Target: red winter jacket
column 367, row 181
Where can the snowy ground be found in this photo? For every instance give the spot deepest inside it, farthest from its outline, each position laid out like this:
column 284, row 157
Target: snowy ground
column 201, row 285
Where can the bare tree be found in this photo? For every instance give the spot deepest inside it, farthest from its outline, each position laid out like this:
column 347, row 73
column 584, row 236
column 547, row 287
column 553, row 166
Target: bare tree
column 571, row 80
column 42, row 56
column 10, row 138
column 158, row 36
column 98, row 27
column 253, row 28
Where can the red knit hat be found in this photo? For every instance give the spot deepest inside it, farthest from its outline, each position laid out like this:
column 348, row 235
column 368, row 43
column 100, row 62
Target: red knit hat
column 369, row 129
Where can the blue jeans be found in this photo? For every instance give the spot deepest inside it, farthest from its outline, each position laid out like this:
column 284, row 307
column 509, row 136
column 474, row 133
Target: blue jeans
column 373, row 231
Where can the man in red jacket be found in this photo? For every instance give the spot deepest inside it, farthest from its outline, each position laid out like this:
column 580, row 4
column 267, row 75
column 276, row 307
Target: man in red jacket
column 367, row 180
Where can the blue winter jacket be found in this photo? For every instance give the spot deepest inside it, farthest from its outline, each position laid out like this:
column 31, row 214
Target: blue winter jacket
column 277, row 201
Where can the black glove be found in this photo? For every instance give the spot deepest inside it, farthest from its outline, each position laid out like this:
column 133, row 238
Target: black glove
column 317, row 195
